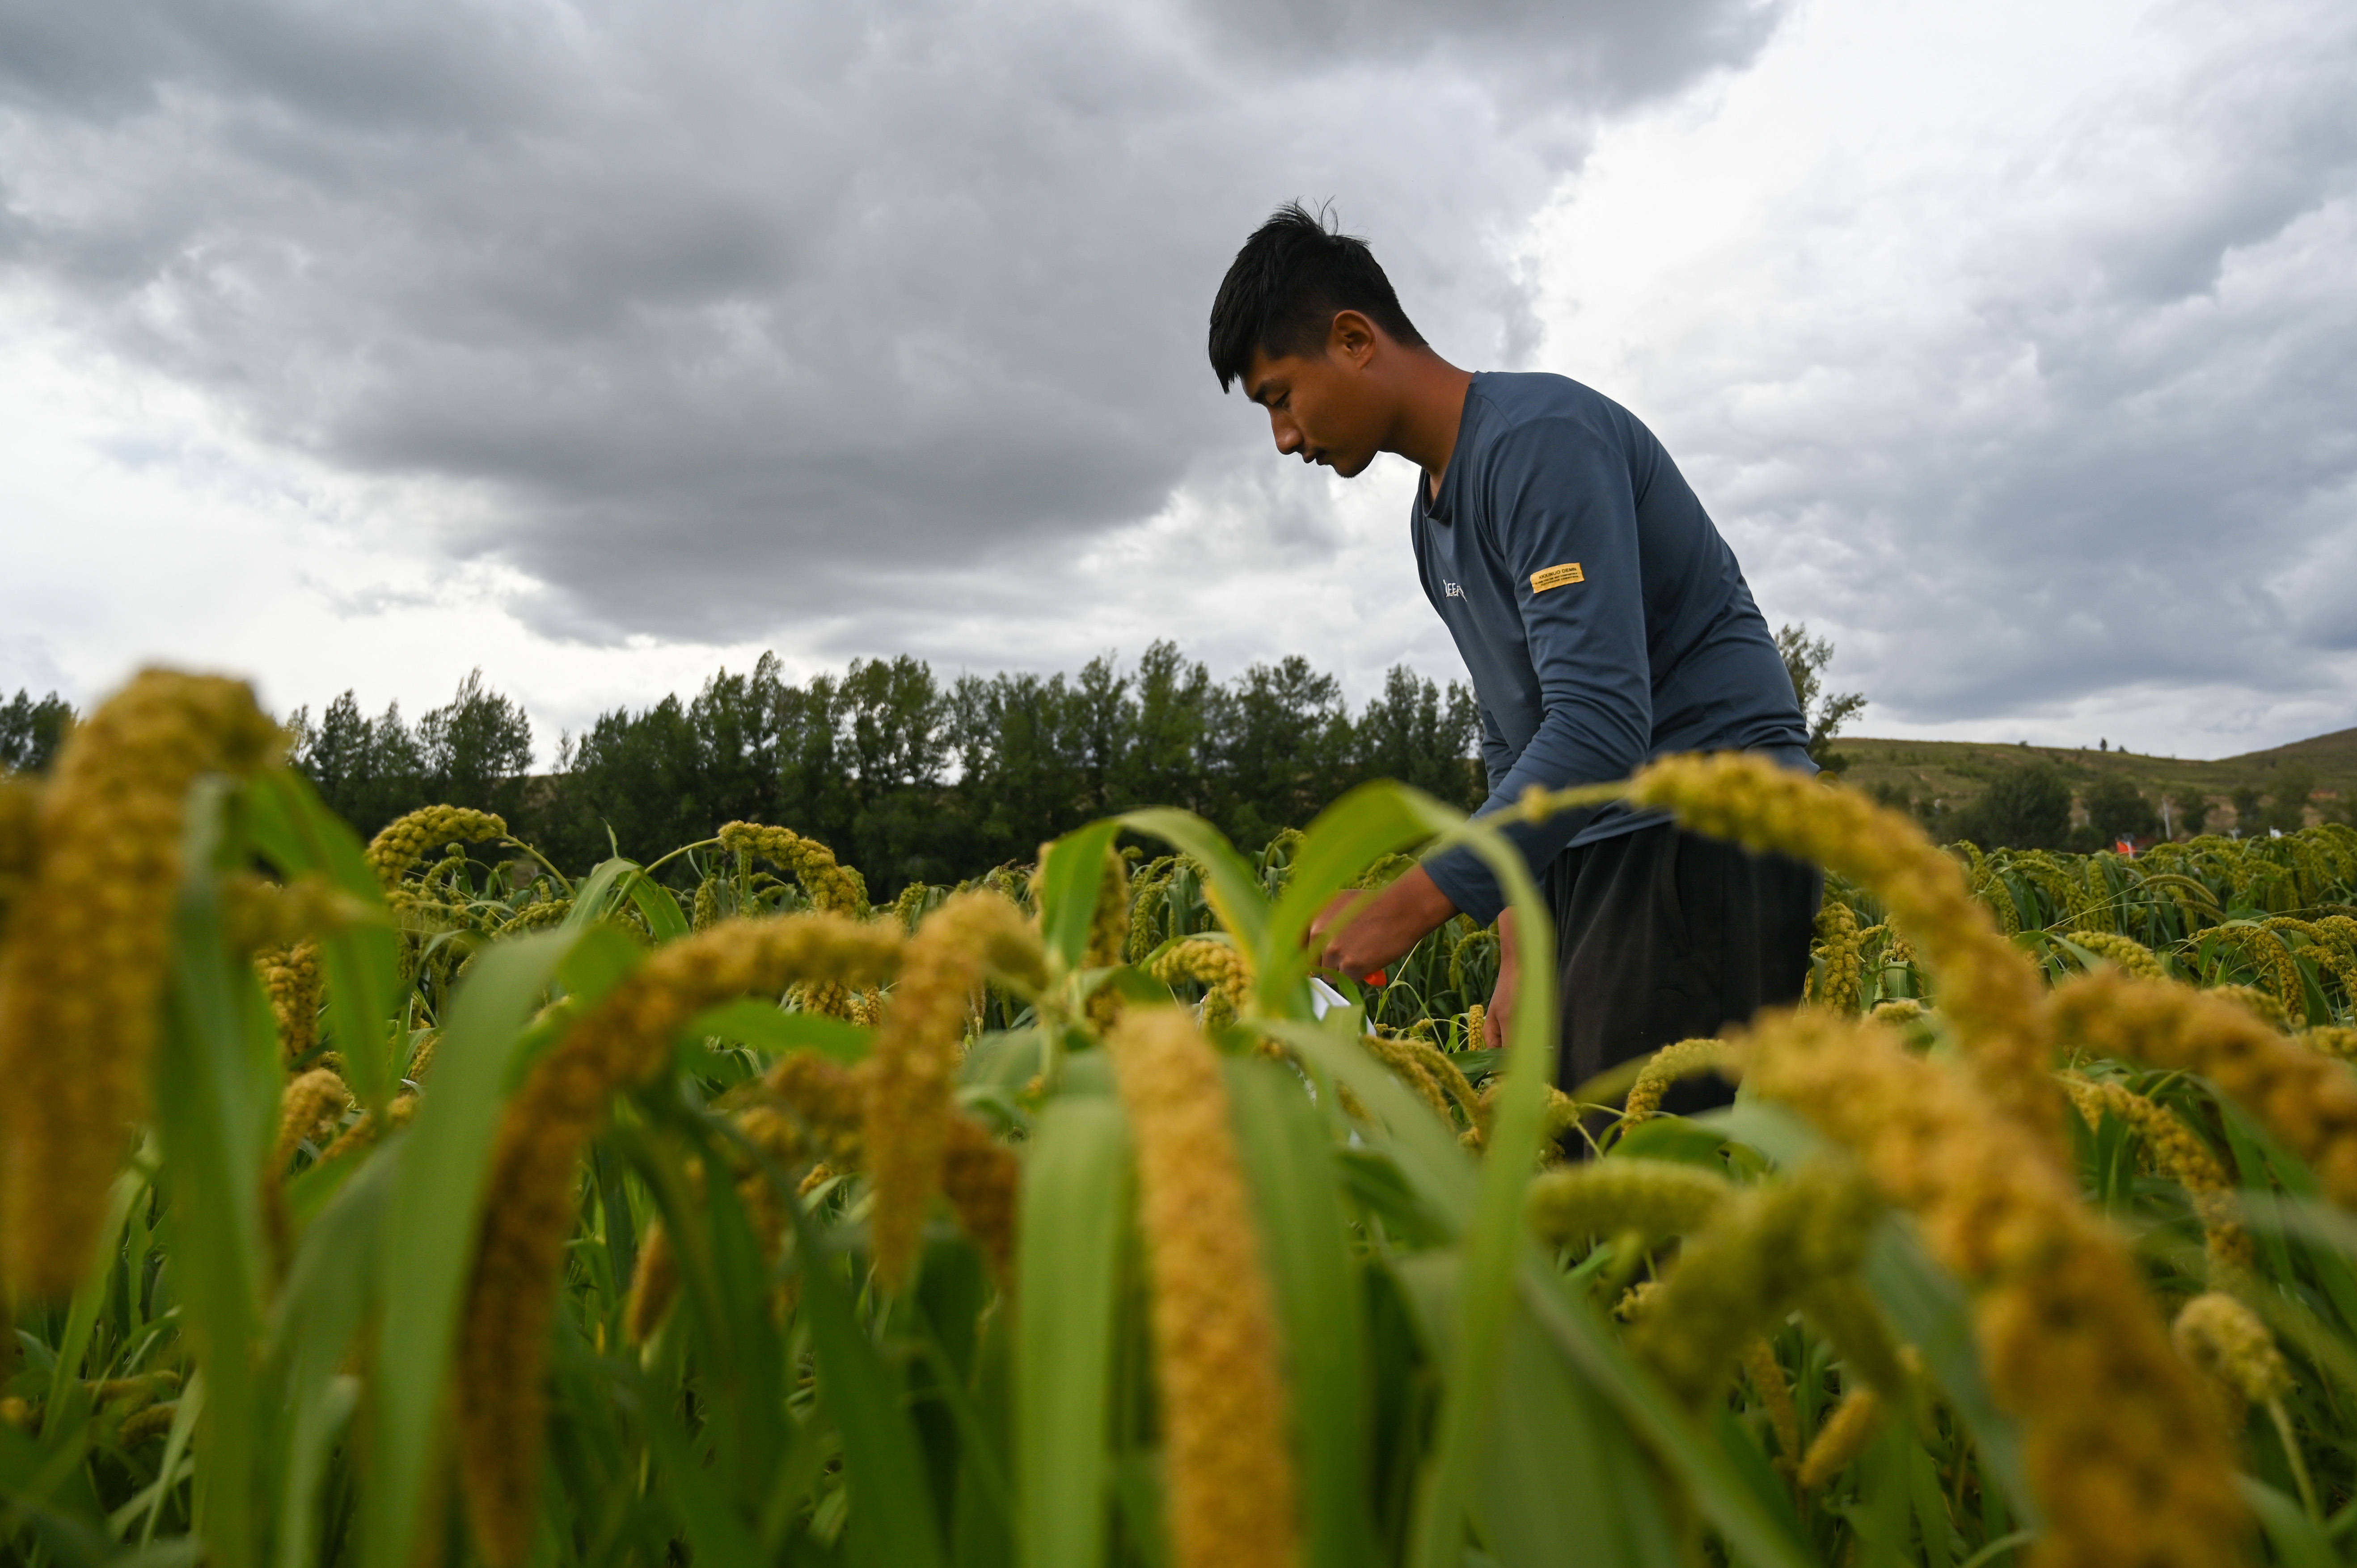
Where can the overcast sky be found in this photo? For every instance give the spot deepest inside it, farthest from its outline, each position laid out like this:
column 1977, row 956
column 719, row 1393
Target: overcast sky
column 2014, row 346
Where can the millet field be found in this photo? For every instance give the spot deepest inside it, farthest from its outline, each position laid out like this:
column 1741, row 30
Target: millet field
column 422, row 1201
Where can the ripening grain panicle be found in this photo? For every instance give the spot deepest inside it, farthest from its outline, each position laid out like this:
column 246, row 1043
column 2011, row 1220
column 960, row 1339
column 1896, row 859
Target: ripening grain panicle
column 1990, row 991
column 2226, row 1340
column 830, row 883
column 1670, row 1064
column 1108, row 936
column 1218, row 966
column 2178, row 1152
column 1841, row 1438
column 1602, row 1199
column 1400, row 1056
column 917, row 1048
column 2260, row 1005
column 2338, row 1043
column 621, row 1041
column 1749, row 1265
column 291, row 976
column 20, row 804
column 1227, row 1454
column 1838, row 977
column 406, row 840
column 310, row 1103
column 2120, row 1451
column 810, row 1110
column 79, row 986
column 2123, row 952
column 2305, row 1098
column 1775, row 1391
column 1109, row 922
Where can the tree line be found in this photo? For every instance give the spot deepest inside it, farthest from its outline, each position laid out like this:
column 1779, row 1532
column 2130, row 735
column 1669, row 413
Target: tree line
column 906, row 776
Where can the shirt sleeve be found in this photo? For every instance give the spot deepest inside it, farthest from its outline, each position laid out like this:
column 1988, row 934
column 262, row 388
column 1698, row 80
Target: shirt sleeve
column 1565, row 512
column 1497, row 757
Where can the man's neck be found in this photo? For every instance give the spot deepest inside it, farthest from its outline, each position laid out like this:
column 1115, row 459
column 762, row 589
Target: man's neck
column 1432, row 405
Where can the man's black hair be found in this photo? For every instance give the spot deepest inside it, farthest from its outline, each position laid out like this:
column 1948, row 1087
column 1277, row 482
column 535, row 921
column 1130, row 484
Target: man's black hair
column 1284, row 287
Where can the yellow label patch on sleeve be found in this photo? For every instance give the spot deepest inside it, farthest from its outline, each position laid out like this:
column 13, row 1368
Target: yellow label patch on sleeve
column 1557, row 577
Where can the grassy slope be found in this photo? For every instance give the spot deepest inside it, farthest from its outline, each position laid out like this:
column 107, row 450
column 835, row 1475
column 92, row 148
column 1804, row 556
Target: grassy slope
column 1955, row 771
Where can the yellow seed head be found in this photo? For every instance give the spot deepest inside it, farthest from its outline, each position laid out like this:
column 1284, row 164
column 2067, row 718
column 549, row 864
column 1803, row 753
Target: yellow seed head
column 2120, row 1449
column 291, row 976
column 980, row 1177
column 78, row 985
column 1400, row 1056
column 2127, row 952
column 1216, row 965
column 1837, row 979
column 2259, row 1003
column 406, row 840
column 1842, row 1439
column 1227, row 1454
column 917, row 1047
column 653, row 1283
column 20, row 804
column 1990, row 991
column 1656, row 1198
column 1109, row 937
column 830, row 885
column 2225, row 1340
column 1747, row 1267
column 805, row 1106
column 308, row 1105
column 2272, row 957
column 2304, row 1098
column 623, row 1040
column 536, row 916
column 2334, row 1041
column 1767, row 1380
column 2177, row 1152
column 1687, row 1058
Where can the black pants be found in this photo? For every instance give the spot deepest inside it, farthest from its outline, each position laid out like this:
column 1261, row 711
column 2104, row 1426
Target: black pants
column 1666, row 935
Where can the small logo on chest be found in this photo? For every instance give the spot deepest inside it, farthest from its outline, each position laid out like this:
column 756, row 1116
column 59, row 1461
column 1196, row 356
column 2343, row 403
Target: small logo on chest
column 1454, row 590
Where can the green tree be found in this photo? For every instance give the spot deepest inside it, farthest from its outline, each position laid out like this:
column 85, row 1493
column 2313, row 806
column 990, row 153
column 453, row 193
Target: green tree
column 476, row 749
column 30, row 731
column 1164, row 765
column 1415, row 735
column 1280, row 747
column 2189, row 813
column 1806, row 660
column 2118, row 809
column 368, row 771
column 2287, row 809
column 2027, row 808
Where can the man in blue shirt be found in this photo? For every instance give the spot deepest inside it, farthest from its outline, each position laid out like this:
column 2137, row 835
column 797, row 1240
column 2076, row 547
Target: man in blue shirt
column 1604, row 621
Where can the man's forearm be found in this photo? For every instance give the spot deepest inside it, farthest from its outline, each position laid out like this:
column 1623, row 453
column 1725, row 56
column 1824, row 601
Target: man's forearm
column 1401, row 916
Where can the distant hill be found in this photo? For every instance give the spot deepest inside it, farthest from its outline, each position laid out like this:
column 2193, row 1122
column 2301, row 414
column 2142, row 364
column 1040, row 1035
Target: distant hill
column 1949, row 772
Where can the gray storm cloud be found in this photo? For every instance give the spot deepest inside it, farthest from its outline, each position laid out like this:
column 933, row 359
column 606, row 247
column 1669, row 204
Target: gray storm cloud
column 682, row 301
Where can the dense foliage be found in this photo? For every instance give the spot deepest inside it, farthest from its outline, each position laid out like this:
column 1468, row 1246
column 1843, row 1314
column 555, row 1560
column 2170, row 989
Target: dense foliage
column 913, row 779
column 419, row 1203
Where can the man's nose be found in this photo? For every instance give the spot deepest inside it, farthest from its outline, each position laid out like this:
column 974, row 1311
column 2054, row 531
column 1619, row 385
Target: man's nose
column 1288, row 436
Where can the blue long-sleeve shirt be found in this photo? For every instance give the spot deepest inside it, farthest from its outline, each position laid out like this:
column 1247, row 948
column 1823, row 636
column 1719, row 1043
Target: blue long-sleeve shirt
column 1602, row 618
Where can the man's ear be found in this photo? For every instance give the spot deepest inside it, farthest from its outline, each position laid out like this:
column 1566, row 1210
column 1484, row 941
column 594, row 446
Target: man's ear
column 1352, row 338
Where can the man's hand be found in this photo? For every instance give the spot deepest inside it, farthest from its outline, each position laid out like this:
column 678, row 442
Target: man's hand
column 1501, row 1009
column 1382, row 932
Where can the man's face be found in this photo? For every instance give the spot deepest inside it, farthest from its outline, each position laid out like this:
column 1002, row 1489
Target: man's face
column 1324, row 407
